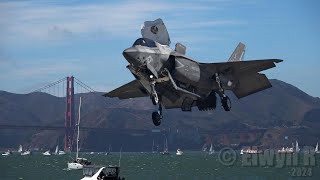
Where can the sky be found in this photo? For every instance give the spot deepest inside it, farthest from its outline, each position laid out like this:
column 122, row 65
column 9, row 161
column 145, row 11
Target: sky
column 44, row 41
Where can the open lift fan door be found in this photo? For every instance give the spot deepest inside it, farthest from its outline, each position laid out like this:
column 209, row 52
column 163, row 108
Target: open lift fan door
column 156, row 30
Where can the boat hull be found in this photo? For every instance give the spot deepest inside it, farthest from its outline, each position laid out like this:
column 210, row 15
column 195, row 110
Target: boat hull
column 75, row 166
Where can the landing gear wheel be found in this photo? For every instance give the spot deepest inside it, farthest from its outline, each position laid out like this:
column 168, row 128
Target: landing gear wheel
column 154, row 99
column 156, row 118
column 226, row 103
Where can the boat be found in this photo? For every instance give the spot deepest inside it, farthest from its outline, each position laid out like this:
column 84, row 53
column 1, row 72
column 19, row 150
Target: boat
column 20, row 149
column 78, row 163
column 204, row 148
column 179, row 152
column 61, row 153
column 250, row 151
column 165, row 148
column 7, row 153
column 297, row 147
column 286, row 150
column 100, row 172
column 56, row 152
column 47, row 153
column 211, row 151
column 25, row 153
column 109, row 151
column 316, row 150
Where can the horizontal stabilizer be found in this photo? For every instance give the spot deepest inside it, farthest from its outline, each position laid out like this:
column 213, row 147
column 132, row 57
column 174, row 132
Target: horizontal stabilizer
column 251, row 84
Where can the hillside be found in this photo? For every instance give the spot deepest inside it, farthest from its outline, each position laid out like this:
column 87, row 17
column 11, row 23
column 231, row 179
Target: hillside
column 275, row 109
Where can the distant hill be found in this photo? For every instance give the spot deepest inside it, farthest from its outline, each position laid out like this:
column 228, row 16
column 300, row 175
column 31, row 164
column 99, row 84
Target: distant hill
column 282, row 110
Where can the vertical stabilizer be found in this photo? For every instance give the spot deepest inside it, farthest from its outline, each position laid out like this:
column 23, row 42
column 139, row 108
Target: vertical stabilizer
column 238, row 53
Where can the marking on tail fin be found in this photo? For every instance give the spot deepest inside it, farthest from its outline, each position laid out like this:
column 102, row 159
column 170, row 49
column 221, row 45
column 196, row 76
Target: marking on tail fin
column 238, row 53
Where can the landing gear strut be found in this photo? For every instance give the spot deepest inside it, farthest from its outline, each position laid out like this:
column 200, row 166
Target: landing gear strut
column 157, row 116
column 225, row 100
column 154, row 94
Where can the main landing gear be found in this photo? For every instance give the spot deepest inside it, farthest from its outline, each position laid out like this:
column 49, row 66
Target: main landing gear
column 225, row 100
column 157, row 115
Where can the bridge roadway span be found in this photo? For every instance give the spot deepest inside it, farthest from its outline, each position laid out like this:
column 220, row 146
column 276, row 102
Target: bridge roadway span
column 133, row 131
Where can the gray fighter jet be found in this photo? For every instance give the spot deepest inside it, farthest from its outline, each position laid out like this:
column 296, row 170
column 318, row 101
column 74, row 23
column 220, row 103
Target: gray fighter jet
column 173, row 80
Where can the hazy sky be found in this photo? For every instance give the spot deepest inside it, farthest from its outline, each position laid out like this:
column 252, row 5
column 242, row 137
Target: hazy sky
column 43, row 41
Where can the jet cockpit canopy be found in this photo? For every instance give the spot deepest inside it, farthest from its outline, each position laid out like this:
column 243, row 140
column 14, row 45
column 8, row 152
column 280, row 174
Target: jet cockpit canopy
column 145, row 42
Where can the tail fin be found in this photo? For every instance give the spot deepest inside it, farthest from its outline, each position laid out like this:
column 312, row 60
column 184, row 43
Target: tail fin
column 238, row 53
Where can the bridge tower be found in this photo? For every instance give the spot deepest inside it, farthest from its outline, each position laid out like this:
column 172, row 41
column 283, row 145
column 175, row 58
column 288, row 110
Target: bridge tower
column 69, row 115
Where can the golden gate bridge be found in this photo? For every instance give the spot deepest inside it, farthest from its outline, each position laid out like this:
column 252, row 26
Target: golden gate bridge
column 67, row 88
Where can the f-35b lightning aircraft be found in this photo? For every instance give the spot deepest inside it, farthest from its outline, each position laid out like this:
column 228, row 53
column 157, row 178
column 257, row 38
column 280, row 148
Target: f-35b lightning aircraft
column 173, row 80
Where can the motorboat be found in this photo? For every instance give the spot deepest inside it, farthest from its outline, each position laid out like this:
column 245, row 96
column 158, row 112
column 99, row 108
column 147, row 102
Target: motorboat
column 7, row 153
column 61, row 153
column 250, row 151
column 286, row 150
column 78, row 163
column 101, row 173
column 179, row 152
column 47, row 153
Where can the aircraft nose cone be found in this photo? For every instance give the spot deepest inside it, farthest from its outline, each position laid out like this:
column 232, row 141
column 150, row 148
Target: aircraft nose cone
column 130, row 54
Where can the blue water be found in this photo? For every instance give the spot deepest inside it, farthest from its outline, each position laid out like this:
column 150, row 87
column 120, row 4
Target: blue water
column 189, row 166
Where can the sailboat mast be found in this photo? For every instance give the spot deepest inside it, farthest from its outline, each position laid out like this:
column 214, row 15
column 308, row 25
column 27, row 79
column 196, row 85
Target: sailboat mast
column 78, row 133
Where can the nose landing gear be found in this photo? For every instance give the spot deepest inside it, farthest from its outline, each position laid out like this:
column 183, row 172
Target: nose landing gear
column 157, row 115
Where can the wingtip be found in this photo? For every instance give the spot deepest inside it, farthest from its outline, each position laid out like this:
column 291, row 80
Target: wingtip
column 278, row 60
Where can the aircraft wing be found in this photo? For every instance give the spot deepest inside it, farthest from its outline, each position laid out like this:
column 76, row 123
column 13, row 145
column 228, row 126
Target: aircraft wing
column 246, row 72
column 239, row 67
column 132, row 89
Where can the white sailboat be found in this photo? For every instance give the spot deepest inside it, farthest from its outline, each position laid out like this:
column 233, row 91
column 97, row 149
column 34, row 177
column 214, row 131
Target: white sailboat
column 297, row 147
column 211, row 151
column 78, row 163
column 20, row 149
column 316, row 150
column 57, row 152
column 109, row 150
column 25, row 153
column 47, row 153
